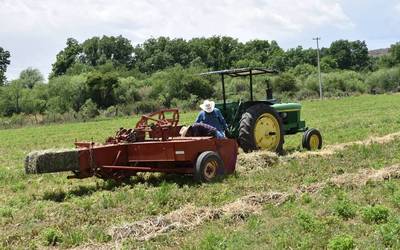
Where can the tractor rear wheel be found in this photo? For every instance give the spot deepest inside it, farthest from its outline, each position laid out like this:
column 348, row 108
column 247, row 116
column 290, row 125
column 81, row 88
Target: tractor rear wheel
column 261, row 128
column 209, row 165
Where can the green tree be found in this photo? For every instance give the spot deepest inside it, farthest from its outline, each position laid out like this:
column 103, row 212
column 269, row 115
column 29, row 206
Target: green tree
column 298, row 55
column 97, row 51
column 13, row 94
column 360, row 58
column 350, row 55
column 269, row 54
column 340, row 51
column 285, row 82
column 4, row 62
column 66, row 58
column 392, row 58
column 30, row 77
column 101, row 88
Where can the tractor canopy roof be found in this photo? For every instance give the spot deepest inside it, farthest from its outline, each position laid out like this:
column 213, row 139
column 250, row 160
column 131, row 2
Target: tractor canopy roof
column 242, row 72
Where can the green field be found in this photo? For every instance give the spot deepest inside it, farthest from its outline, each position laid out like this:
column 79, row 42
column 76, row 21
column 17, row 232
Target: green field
column 36, row 211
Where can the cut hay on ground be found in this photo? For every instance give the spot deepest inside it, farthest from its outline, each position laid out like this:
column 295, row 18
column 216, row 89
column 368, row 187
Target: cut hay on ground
column 256, row 160
column 189, row 217
column 365, row 176
column 51, row 161
column 332, row 149
column 359, row 179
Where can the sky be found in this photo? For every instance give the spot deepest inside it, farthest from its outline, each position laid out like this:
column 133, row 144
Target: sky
column 34, row 31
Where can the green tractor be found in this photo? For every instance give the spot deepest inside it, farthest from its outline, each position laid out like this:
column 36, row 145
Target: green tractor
column 263, row 124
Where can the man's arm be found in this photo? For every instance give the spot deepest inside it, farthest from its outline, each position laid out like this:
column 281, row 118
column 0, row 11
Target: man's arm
column 200, row 117
column 222, row 119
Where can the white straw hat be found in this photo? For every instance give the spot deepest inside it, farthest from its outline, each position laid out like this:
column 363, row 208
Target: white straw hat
column 208, row 106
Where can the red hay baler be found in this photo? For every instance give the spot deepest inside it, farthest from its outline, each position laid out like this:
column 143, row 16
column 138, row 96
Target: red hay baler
column 154, row 145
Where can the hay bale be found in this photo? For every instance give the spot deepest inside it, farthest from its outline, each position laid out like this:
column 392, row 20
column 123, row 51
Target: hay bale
column 51, row 161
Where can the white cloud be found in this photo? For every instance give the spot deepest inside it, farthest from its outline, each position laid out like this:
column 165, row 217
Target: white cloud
column 176, row 18
column 50, row 22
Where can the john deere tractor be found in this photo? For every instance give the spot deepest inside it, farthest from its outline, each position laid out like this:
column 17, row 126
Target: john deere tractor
column 263, row 124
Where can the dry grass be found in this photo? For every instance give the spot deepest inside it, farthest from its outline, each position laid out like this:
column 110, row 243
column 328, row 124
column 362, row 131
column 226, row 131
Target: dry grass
column 256, row 160
column 365, row 176
column 331, row 149
column 51, row 161
column 189, row 217
column 359, row 179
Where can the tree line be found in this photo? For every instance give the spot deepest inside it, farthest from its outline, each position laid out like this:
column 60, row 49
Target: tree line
column 109, row 75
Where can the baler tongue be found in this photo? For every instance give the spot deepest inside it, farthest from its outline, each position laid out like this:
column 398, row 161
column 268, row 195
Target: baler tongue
column 51, row 161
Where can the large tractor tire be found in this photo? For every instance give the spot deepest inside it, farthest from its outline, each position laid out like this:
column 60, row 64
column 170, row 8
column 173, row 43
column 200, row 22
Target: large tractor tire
column 209, row 166
column 261, row 128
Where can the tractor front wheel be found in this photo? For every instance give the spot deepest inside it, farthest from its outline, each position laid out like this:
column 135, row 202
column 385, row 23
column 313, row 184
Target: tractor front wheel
column 209, row 165
column 312, row 139
column 261, row 128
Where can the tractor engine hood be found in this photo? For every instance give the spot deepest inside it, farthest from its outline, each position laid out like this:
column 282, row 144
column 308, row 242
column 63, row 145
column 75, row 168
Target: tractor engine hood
column 287, row 107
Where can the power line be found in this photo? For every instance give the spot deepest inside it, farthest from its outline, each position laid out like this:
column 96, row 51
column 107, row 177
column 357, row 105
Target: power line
column 319, row 67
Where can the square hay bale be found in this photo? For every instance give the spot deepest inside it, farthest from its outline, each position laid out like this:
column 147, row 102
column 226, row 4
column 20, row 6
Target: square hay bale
column 51, row 161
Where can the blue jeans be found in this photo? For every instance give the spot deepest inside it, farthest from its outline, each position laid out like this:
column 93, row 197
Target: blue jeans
column 220, row 135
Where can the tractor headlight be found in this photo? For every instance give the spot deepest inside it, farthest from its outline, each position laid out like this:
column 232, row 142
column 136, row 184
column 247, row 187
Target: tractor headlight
column 284, row 115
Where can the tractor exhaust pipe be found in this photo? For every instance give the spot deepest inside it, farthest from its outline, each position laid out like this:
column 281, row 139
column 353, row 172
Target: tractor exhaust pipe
column 269, row 91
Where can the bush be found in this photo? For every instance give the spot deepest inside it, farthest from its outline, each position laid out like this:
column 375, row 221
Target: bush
column 303, row 70
column 186, row 105
column 390, row 233
column 89, row 110
column 307, row 94
column 384, row 80
column 110, row 111
column 340, row 83
column 344, row 82
column 344, row 208
column 147, row 106
column 306, row 221
column 51, row 236
column 341, row 242
column 375, row 214
column 396, row 199
column 285, row 82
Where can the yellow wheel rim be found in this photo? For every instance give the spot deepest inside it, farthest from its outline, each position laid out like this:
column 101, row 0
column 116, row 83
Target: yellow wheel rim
column 267, row 132
column 210, row 170
column 314, row 142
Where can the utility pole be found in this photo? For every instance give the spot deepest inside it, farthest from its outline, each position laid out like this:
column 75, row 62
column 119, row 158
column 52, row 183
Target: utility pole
column 319, row 67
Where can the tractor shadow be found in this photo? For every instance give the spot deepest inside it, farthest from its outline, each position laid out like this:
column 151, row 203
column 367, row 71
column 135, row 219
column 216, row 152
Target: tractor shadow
column 155, row 180
column 61, row 195
column 150, row 180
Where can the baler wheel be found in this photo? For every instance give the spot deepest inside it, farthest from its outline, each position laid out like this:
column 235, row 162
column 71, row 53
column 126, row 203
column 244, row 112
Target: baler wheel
column 261, row 128
column 209, row 165
column 312, row 139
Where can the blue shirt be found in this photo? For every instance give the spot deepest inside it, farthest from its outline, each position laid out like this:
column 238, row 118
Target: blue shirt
column 214, row 119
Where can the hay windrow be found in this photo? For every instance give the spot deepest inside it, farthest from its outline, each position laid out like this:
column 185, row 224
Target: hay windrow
column 364, row 176
column 52, row 160
column 189, row 217
column 332, row 149
column 256, row 160
column 358, row 179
